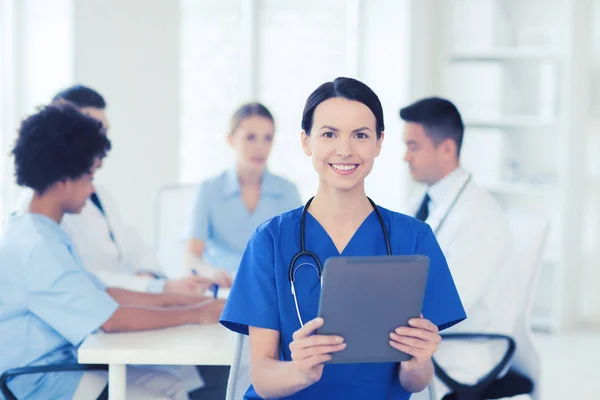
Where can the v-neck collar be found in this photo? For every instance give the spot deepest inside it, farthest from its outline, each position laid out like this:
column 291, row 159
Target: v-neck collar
column 330, row 246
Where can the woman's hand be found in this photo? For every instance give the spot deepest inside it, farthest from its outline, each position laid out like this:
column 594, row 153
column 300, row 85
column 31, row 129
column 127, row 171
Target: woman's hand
column 190, row 285
column 309, row 352
column 222, row 278
column 420, row 340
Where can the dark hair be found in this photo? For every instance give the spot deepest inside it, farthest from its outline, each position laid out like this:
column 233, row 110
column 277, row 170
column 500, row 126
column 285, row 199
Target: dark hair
column 57, row 143
column 246, row 111
column 81, row 96
column 439, row 117
column 347, row 88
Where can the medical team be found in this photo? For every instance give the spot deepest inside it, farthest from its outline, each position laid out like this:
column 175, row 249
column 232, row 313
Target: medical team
column 243, row 232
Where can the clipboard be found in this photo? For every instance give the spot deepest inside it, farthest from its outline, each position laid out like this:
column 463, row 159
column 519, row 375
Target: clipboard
column 363, row 299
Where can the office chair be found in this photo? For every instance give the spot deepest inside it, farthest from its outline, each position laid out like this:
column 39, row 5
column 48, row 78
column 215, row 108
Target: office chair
column 11, row 373
column 240, row 380
column 519, row 370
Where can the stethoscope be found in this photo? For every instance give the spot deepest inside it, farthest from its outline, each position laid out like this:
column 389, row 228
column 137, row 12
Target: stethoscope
column 319, row 267
column 451, row 206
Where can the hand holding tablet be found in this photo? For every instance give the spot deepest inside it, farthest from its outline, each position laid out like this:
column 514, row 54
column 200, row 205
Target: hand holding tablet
column 366, row 299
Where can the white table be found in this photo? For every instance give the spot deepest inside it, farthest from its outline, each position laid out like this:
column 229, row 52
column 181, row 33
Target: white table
column 182, row 345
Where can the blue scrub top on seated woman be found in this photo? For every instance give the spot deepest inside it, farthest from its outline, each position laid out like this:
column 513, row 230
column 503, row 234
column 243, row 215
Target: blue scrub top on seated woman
column 261, row 296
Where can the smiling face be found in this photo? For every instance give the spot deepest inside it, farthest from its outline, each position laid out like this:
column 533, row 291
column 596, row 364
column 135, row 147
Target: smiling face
column 343, row 143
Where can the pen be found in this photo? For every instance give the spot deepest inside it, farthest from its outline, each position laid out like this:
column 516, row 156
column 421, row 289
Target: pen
column 214, row 287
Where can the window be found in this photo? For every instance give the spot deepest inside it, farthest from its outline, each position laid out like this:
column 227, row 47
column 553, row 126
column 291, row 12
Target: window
column 210, row 84
column 278, row 52
column 302, row 44
column 6, row 122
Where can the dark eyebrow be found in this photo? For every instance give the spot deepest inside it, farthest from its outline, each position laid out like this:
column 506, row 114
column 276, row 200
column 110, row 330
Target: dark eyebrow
column 331, row 128
column 337, row 130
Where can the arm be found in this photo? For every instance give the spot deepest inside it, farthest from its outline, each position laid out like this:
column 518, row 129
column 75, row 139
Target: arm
column 129, row 298
column 197, row 236
column 416, row 380
column 135, row 318
column 420, row 340
column 273, row 378
column 196, row 264
column 125, row 280
column 194, row 260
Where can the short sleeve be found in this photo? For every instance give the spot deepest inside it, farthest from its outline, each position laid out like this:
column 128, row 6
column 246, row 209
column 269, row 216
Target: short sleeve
column 63, row 295
column 442, row 304
column 199, row 223
column 253, row 300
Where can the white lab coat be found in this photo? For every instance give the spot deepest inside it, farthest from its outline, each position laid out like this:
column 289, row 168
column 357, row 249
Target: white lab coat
column 114, row 263
column 476, row 241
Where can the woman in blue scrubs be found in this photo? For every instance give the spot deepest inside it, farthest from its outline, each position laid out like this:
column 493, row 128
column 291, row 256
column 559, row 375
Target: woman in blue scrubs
column 343, row 133
column 229, row 207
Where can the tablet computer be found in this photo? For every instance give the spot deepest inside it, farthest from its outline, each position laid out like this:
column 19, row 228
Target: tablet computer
column 363, row 299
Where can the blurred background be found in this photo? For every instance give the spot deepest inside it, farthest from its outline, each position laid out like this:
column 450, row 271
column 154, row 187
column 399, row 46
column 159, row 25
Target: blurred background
column 524, row 73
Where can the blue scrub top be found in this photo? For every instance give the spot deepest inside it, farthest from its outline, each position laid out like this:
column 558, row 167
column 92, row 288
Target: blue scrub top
column 261, row 297
column 221, row 220
column 49, row 303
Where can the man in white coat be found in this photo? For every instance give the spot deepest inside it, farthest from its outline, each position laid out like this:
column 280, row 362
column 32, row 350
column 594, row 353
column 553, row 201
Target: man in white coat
column 470, row 226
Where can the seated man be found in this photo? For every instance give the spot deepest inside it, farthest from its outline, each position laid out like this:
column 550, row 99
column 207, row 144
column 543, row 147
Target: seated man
column 49, row 303
column 468, row 223
column 110, row 249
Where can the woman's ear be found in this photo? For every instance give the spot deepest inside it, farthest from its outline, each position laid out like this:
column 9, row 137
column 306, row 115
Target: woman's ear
column 305, row 140
column 230, row 139
column 379, row 143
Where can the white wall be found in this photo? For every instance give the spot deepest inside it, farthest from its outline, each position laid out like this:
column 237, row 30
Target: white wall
column 34, row 69
column 129, row 51
column 385, row 65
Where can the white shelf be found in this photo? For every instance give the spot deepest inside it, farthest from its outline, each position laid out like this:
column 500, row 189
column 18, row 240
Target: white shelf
column 542, row 323
column 521, row 188
column 512, row 122
column 506, row 54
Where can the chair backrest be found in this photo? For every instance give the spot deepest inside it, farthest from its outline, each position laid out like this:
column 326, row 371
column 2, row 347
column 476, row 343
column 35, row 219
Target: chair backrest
column 239, row 374
column 529, row 233
column 240, row 379
column 173, row 210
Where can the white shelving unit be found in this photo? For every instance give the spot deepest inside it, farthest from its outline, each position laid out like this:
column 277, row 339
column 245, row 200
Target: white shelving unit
column 517, row 72
column 512, row 122
column 505, row 54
